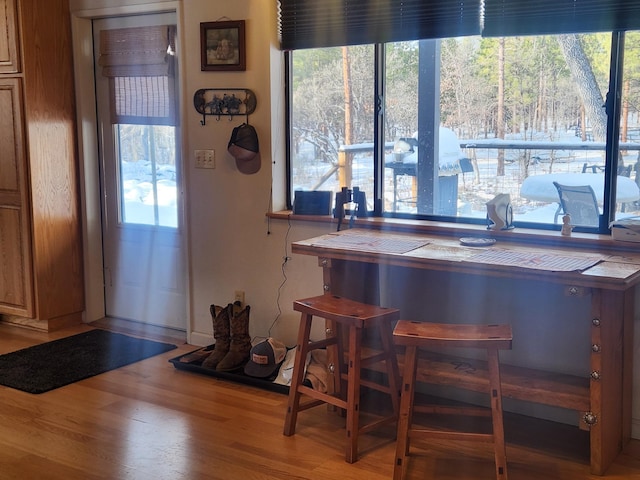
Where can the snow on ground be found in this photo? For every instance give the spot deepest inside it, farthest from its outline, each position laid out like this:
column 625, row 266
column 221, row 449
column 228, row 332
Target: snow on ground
column 140, row 198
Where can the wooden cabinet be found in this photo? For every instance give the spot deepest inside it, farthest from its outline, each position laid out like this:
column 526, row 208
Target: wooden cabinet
column 41, row 281
column 15, row 254
column 8, row 45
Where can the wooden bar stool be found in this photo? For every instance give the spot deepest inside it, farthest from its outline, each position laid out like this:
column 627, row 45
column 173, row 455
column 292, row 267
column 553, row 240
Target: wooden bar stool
column 418, row 334
column 346, row 320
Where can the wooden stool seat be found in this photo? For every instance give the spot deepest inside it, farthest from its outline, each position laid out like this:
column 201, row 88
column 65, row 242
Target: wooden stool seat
column 345, row 322
column 413, row 335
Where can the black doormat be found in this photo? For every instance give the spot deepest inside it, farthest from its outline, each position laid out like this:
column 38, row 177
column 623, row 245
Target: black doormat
column 51, row 365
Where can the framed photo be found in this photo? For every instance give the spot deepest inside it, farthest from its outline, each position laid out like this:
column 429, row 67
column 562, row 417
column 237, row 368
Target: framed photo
column 222, row 46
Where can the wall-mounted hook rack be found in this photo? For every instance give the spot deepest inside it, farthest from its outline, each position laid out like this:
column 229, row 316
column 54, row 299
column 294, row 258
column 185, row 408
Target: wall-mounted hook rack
column 219, row 102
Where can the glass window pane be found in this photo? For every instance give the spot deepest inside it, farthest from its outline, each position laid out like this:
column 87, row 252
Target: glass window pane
column 147, row 163
column 629, row 159
column 332, row 119
column 518, row 113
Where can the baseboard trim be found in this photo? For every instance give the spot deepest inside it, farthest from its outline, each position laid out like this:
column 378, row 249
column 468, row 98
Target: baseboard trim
column 635, row 428
column 46, row 325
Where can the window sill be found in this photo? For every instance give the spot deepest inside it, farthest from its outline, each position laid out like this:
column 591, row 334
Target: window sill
column 589, row 241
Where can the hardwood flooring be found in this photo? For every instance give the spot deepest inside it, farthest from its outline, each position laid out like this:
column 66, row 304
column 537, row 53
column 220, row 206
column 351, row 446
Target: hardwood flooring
column 151, row 421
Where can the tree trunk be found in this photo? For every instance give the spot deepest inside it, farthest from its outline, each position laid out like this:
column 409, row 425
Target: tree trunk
column 346, row 77
column 624, row 128
column 624, row 119
column 345, row 161
column 500, row 114
column 585, row 80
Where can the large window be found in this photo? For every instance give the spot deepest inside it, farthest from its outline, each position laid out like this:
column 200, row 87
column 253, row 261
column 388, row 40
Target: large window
column 436, row 128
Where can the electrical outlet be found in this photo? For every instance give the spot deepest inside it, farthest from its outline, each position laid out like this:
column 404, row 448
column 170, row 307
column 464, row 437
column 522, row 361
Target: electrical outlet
column 239, row 297
column 205, row 158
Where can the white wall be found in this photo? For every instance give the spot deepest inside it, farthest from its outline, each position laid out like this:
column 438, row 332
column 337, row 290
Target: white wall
column 233, row 246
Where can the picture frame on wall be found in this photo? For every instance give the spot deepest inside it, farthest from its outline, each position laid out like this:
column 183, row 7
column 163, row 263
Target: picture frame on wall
column 222, row 46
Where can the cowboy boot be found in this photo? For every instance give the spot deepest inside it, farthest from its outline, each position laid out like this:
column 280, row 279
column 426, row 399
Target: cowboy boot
column 220, row 317
column 240, row 341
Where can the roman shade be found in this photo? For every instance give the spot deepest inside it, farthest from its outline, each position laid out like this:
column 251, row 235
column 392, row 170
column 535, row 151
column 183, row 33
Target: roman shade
column 329, row 23
column 504, row 18
column 139, row 63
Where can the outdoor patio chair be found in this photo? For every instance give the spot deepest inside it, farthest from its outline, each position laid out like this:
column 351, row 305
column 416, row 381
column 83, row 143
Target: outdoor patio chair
column 623, row 170
column 580, row 202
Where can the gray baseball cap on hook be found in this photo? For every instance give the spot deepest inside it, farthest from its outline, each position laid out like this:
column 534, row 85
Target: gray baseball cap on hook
column 243, row 146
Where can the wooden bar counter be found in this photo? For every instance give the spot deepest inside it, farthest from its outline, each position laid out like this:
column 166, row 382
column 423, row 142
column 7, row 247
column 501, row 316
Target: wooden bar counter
column 352, row 260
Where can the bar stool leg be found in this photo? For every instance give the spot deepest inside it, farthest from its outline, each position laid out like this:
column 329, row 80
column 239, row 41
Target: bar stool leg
column 406, row 412
column 337, row 353
column 496, row 414
column 391, row 362
column 298, row 372
column 353, row 393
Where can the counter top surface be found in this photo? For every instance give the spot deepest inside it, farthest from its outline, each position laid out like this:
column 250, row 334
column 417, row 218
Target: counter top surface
column 583, row 267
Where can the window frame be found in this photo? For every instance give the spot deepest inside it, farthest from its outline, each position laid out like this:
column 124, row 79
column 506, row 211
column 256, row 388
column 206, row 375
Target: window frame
column 613, row 111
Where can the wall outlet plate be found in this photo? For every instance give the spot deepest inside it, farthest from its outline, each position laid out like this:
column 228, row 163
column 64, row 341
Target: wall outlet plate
column 239, row 297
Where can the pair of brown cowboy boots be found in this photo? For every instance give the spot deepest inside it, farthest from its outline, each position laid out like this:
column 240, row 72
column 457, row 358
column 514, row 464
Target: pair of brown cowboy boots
column 231, row 333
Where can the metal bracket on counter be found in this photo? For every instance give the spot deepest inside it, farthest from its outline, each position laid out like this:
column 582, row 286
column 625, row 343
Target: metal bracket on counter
column 220, row 102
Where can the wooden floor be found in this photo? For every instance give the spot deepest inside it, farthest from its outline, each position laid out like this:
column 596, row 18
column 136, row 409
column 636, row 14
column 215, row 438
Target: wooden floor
column 151, row 421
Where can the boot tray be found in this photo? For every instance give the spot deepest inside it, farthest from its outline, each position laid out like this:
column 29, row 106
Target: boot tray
column 181, row 363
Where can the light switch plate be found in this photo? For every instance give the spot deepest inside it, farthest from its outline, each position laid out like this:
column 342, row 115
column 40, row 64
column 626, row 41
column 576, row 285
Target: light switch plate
column 205, row 158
